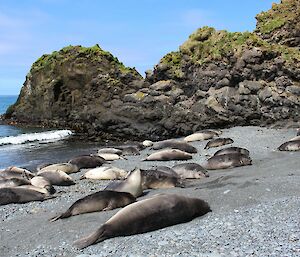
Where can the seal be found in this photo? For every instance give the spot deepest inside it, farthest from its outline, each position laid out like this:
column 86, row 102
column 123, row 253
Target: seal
column 155, row 179
column 190, row 171
column 13, row 182
column 131, row 150
column 104, row 173
column 218, row 142
column 87, row 161
column 168, row 155
column 20, row 195
column 57, row 177
column 65, row 167
column 16, row 172
column 42, row 182
column 200, row 136
column 226, row 161
column 110, row 156
column 290, row 146
column 175, row 144
column 232, row 149
column 132, row 184
column 147, row 215
column 110, row 150
column 99, row 201
column 167, row 170
column 295, row 138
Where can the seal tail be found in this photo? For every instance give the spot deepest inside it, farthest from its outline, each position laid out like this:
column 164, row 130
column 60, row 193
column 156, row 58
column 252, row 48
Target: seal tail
column 91, row 239
column 64, row 215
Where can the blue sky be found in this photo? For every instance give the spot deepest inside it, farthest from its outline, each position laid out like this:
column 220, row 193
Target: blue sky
column 138, row 32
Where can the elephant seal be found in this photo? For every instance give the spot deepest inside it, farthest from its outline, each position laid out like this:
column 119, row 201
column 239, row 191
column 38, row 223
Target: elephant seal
column 200, row 136
column 20, row 195
column 218, row 142
column 105, row 172
column 57, row 177
column 65, row 167
column 232, row 149
column 168, row 155
column 154, row 179
column 290, row 146
column 131, row 150
column 147, row 215
column 132, row 184
column 225, row 161
column 295, row 138
column 190, row 170
column 167, row 170
column 17, row 172
column 110, row 150
column 175, row 144
column 99, row 201
column 13, row 182
column 87, row 161
column 38, row 189
column 110, row 156
column 42, row 182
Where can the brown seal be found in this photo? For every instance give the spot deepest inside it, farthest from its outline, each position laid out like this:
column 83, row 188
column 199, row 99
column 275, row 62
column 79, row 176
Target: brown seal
column 175, row 144
column 87, row 161
column 225, row 161
column 232, row 149
column 99, row 201
column 290, row 146
column 190, row 170
column 218, row 142
column 147, row 215
column 168, row 155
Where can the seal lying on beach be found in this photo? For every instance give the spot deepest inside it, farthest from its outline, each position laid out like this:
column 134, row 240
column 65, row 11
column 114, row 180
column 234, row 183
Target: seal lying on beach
column 110, row 150
column 42, row 182
column 173, row 143
column 293, row 145
column 13, row 182
column 132, row 184
column 87, row 161
column 154, row 179
column 99, row 201
column 147, row 215
column 168, row 155
column 190, row 170
column 110, row 156
column 218, row 142
column 20, row 195
column 105, row 172
column 225, row 161
column 200, row 136
column 232, row 149
column 65, row 167
column 57, row 177
column 16, row 172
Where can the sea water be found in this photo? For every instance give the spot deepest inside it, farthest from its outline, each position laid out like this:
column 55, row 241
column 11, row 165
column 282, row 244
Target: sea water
column 29, row 147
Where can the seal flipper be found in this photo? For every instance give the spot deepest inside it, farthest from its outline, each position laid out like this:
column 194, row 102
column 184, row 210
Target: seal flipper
column 64, row 215
column 91, row 239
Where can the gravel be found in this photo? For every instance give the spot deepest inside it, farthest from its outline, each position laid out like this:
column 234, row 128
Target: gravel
column 256, row 210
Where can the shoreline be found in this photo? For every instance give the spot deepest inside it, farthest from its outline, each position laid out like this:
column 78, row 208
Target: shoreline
column 254, row 210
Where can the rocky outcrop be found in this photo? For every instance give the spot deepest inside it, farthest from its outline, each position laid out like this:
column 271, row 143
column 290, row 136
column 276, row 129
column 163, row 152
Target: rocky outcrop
column 281, row 24
column 215, row 79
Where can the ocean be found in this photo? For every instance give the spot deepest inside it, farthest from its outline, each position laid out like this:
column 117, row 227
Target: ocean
column 29, row 147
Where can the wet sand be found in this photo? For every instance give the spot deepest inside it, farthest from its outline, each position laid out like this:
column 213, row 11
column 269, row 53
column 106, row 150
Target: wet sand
column 256, row 210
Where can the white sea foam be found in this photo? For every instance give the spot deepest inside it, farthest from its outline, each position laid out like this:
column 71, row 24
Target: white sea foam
column 53, row 135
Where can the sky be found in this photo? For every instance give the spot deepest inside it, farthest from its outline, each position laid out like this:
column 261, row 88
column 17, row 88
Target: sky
column 138, row 32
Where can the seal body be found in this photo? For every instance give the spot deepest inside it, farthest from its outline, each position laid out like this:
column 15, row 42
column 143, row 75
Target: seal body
column 169, row 154
column 87, row 161
column 110, row 156
column 42, row 182
column 200, row 136
column 154, row 179
column 132, row 184
column 105, row 172
column 13, row 182
column 293, row 145
column 20, row 195
column 233, row 149
column 225, row 161
column 147, row 215
column 175, row 144
column 190, row 170
column 57, row 177
column 99, row 201
column 65, row 167
column 218, row 142
column 110, row 150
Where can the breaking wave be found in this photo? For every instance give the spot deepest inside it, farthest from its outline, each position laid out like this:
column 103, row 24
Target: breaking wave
column 53, row 135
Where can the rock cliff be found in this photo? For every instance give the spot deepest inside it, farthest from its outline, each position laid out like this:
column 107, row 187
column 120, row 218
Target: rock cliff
column 215, row 79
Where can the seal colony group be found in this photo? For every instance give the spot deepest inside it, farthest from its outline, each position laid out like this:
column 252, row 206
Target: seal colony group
column 18, row 185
